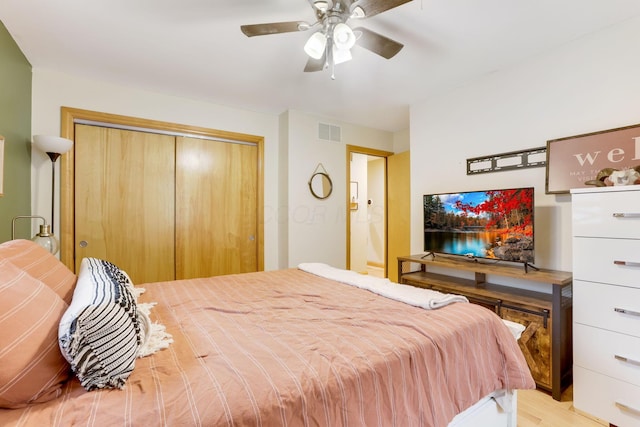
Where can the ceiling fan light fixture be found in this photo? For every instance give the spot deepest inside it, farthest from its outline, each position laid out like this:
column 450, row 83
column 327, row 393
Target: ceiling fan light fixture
column 323, row 5
column 343, row 36
column 341, row 55
column 315, row 46
column 357, row 13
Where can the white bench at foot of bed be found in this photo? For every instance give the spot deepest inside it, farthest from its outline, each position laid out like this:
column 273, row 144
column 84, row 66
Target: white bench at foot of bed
column 498, row 409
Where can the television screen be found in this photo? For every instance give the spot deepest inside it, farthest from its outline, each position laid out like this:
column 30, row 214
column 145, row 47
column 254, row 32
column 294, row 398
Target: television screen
column 495, row 224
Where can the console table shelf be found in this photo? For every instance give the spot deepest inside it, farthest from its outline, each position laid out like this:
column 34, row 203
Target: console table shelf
column 546, row 341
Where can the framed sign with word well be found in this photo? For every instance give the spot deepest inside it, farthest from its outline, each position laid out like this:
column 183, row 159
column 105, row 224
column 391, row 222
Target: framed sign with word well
column 574, row 160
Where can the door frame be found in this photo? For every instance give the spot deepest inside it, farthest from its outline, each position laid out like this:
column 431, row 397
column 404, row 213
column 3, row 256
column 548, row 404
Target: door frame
column 354, row 149
column 69, row 116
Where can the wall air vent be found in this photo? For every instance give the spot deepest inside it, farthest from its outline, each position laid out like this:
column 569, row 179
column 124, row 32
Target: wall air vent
column 329, row 132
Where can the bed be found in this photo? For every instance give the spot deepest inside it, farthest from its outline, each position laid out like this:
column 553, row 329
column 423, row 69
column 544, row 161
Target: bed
column 277, row 348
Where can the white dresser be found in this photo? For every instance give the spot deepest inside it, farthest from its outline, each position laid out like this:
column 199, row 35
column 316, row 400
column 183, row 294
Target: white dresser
column 606, row 303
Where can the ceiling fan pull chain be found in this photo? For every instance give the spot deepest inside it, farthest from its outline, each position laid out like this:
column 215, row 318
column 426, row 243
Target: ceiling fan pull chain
column 330, row 61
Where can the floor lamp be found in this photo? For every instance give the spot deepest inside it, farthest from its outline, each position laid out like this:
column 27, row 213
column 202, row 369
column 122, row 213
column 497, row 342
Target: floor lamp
column 54, row 146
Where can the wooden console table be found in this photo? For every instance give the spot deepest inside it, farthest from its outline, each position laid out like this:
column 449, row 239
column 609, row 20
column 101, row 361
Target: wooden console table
column 547, row 340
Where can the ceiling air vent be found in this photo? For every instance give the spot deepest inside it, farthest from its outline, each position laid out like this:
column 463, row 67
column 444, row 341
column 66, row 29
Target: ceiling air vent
column 329, row 132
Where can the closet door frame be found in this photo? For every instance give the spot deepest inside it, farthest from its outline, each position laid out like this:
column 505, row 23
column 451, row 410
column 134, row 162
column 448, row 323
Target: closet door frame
column 69, row 116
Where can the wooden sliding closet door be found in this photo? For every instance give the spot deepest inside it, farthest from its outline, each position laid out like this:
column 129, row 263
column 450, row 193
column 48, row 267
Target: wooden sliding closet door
column 124, row 200
column 216, row 208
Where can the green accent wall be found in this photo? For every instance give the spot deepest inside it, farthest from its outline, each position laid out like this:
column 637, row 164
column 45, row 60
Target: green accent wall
column 15, row 126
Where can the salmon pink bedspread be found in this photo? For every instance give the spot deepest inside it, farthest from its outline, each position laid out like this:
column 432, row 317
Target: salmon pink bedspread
column 287, row 348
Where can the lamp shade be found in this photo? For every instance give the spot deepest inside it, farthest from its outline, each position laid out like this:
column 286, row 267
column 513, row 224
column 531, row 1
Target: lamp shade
column 341, row 55
column 52, row 144
column 316, row 45
column 323, row 5
column 343, row 37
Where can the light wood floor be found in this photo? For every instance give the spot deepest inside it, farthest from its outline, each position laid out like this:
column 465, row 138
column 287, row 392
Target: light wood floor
column 537, row 408
column 375, row 271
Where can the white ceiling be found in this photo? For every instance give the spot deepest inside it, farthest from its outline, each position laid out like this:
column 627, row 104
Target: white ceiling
column 195, row 49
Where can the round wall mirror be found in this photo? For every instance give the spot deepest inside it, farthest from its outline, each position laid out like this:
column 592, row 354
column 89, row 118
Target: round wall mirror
column 320, row 185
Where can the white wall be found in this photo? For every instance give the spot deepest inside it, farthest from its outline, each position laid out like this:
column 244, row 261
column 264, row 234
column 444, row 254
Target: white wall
column 52, row 90
column 588, row 85
column 401, row 141
column 283, row 193
column 318, row 228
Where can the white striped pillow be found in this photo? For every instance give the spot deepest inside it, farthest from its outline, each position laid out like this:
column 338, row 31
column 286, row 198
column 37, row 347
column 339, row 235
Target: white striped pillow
column 99, row 334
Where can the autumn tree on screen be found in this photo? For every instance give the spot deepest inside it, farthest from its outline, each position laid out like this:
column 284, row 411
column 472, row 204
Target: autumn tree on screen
column 510, row 209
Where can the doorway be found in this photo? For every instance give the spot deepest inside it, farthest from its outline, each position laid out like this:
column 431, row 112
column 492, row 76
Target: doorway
column 367, row 211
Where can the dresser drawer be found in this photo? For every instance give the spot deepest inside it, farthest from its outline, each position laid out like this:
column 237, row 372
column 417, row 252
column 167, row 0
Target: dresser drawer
column 615, row 308
column 614, row 261
column 615, row 401
column 615, row 355
column 606, row 213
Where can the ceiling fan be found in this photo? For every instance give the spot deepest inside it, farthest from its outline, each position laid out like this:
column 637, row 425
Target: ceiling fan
column 332, row 42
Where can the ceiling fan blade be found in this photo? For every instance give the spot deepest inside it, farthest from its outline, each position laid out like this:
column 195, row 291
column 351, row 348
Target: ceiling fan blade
column 377, row 43
column 314, row 65
column 374, row 7
column 274, row 28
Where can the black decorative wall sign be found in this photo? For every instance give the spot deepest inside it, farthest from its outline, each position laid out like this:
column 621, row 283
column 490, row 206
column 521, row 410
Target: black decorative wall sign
column 531, row 158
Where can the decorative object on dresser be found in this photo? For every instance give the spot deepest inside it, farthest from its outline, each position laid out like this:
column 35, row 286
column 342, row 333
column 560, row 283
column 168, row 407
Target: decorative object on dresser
column 606, row 313
column 546, row 341
column 610, row 176
column 626, row 176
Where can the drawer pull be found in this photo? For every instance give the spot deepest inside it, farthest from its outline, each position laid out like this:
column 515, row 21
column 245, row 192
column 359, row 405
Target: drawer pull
column 626, row 215
column 625, row 311
column 627, row 408
column 627, row 263
column 627, row 360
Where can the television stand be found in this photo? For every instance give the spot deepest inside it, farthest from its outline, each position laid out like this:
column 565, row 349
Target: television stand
column 547, row 340
column 527, row 265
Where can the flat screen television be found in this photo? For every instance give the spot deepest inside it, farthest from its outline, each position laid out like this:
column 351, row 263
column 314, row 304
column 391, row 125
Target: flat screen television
column 492, row 224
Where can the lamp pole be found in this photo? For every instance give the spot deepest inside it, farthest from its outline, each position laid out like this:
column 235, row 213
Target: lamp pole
column 53, row 157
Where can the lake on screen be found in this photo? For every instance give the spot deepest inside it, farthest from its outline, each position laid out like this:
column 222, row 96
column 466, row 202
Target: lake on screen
column 460, row 242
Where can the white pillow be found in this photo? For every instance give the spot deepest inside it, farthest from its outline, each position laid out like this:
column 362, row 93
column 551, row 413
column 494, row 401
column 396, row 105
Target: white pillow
column 99, row 334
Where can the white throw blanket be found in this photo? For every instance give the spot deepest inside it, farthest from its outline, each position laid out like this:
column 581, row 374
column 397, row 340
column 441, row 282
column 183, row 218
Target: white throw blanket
column 154, row 335
column 419, row 297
